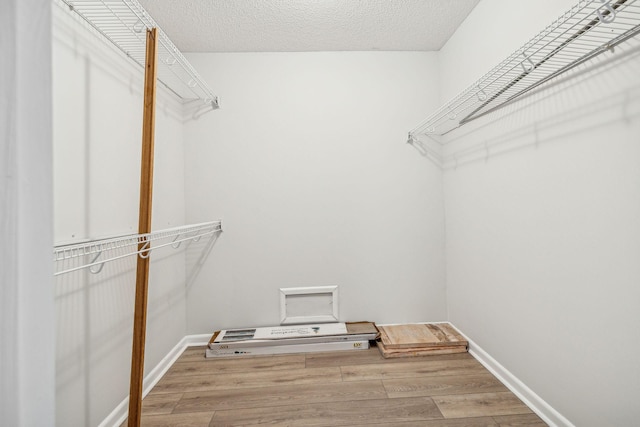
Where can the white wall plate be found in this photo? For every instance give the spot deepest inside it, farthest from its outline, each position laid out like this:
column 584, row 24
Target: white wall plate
column 315, row 304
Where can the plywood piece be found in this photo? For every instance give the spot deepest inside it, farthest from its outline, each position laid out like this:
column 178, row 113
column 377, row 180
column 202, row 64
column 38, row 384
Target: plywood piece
column 420, row 351
column 449, row 333
column 403, row 336
column 420, row 335
column 420, row 340
column 361, row 328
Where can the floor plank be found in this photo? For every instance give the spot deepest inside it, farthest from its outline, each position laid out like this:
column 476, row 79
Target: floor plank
column 159, row 404
column 480, row 404
column 279, row 396
column 442, row 385
column 411, row 369
column 239, row 364
column 372, row 355
column 376, row 411
column 198, row 419
column 173, row 383
column 527, row 420
column 454, row 422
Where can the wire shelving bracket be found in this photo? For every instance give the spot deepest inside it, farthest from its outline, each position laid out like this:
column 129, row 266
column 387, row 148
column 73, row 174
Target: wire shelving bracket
column 589, row 28
column 95, row 253
column 123, row 23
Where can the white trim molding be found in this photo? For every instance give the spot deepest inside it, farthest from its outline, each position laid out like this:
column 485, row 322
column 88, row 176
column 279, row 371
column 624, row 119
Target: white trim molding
column 538, row 405
column 119, row 414
column 332, row 316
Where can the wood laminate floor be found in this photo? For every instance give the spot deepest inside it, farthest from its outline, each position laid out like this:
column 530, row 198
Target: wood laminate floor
column 352, row 388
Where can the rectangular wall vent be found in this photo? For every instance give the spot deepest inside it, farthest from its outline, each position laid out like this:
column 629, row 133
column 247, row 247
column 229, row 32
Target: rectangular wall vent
column 316, row 304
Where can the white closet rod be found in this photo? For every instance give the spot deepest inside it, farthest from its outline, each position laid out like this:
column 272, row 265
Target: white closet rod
column 589, row 28
column 123, row 23
column 95, row 248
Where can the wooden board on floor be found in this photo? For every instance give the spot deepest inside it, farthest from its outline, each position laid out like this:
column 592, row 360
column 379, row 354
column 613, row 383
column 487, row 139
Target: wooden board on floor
column 424, row 351
column 420, row 340
column 358, row 328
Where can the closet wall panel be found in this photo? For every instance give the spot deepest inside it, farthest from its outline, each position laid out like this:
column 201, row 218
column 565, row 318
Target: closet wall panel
column 542, row 230
column 303, row 164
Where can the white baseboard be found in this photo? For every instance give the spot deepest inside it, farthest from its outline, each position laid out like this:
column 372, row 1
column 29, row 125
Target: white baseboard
column 119, row 414
column 545, row 411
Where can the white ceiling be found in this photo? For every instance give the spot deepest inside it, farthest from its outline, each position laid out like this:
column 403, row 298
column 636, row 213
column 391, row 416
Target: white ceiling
column 308, row 25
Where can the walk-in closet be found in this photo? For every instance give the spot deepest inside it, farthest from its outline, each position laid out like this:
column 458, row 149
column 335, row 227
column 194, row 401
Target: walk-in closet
column 171, row 169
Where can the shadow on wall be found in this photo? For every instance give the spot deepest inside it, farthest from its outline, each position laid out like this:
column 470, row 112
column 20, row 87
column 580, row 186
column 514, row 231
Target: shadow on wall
column 430, row 149
column 196, row 108
column 94, row 324
column 603, row 91
column 76, row 37
column 196, row 258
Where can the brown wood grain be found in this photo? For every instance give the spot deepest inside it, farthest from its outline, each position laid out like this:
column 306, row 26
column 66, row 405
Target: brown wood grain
column 172, row 383
column 159, row 404
column 389, row 353
column 526, row 420
column 376, row 411
column 357, row 388
column 411, row 369
column 400, row 336
column 416, row 336
column 144, row 226
column 280, row 396
column 480, row 404
column 460, row 422
column 239, row 364
column 195, row 419
column 361, row 328
column 451, row 334
column 442, row 385
column 372, row 355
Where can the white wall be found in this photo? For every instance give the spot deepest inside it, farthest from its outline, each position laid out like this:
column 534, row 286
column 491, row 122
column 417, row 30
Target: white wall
column 26, row 294
column 97, row 102
column 306, row 165
column 543, row 238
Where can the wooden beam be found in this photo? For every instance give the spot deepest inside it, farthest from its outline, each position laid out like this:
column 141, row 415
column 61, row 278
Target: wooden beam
column 144, row 226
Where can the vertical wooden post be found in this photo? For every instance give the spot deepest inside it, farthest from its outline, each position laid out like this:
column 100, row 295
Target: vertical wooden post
column 144, row 226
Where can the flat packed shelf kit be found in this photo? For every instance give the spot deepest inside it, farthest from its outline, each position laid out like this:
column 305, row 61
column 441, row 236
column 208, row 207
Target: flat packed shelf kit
column 291, row 339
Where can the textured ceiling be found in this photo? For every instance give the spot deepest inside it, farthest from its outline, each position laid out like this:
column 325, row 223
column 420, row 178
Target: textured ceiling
column 308, row 25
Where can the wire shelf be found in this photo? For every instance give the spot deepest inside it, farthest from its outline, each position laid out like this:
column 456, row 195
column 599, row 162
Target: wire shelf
column 123, row 23
column 90, row 253
column 589, row 28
